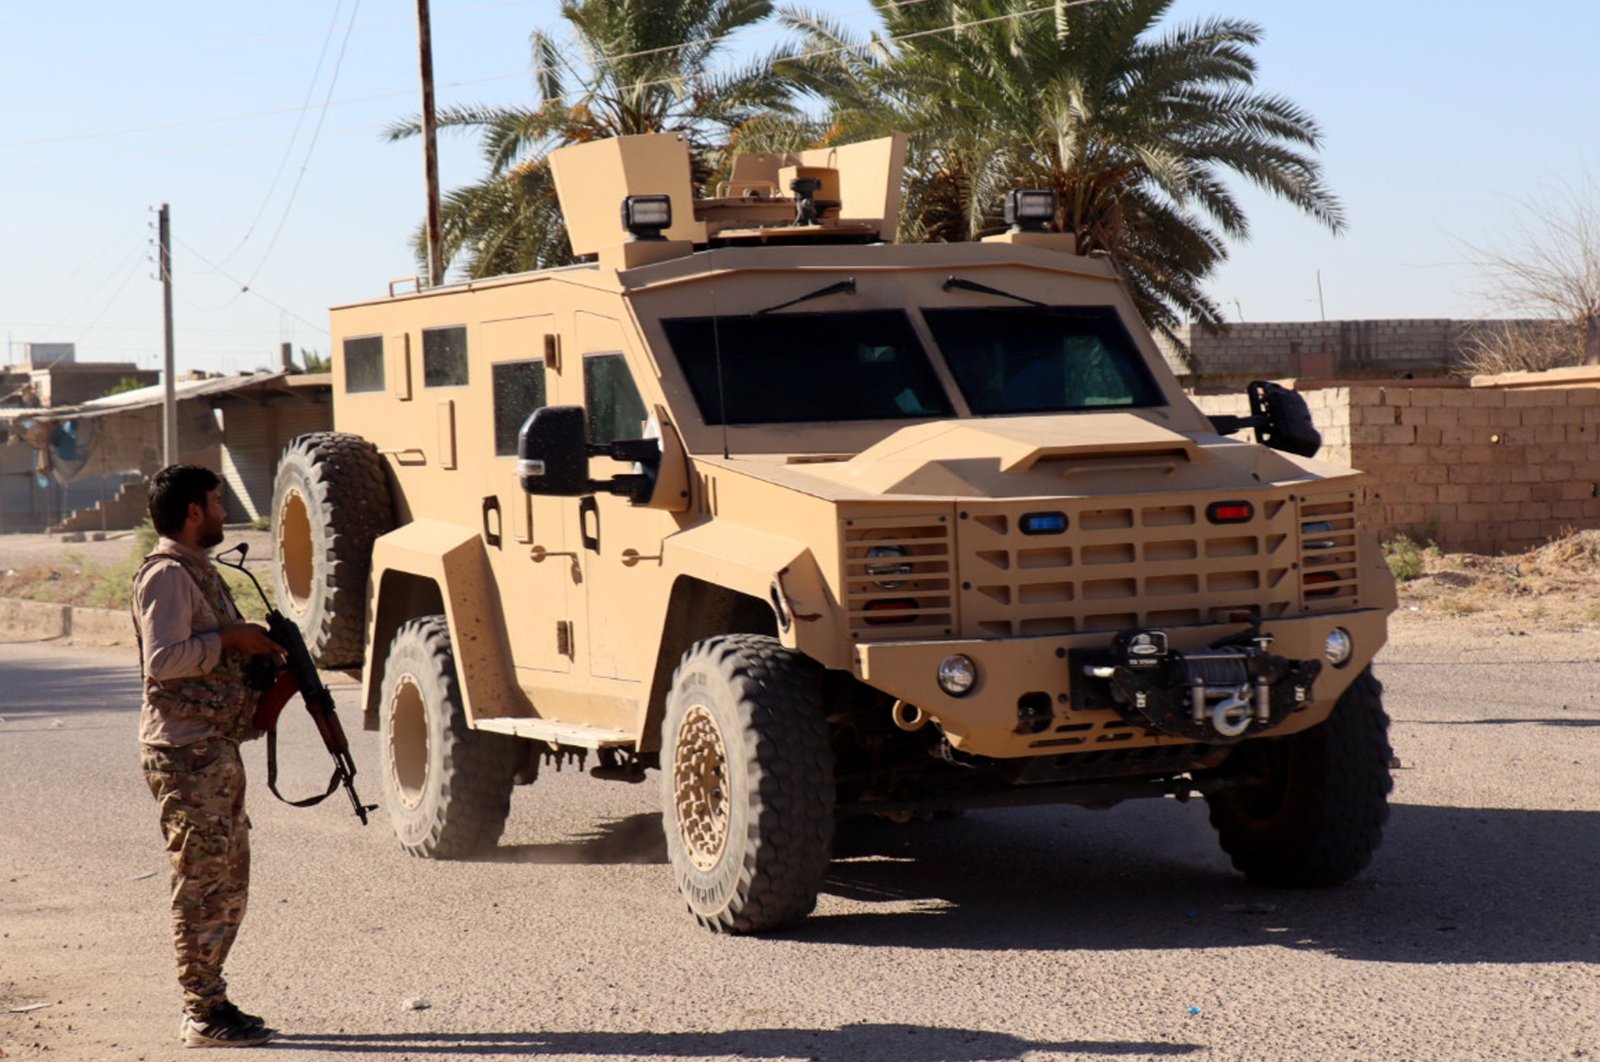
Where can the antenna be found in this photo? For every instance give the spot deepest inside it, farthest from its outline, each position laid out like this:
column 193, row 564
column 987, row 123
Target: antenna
column 722, row 394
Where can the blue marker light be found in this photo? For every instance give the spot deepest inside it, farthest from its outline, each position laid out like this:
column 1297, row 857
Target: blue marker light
column 1043, row 523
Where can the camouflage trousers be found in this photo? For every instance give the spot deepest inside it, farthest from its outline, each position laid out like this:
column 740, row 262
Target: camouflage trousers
column 200, row 790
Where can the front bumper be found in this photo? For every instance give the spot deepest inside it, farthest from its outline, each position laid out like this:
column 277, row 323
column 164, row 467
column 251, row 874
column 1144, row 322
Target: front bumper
column 1028, row 700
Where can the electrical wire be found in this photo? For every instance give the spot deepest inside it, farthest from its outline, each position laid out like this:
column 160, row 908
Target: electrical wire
column 305, row 164
column 246, row 289
column 283, row 162
column 492, row 78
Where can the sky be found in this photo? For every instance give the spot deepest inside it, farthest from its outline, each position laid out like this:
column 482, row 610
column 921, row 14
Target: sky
column 261, row 126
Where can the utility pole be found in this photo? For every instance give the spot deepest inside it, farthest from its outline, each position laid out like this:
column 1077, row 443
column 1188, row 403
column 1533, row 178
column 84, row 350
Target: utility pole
column 169, row 397
column 430, row 146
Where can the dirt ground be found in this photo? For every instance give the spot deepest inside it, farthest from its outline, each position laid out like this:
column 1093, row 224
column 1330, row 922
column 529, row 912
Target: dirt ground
column 99, row 574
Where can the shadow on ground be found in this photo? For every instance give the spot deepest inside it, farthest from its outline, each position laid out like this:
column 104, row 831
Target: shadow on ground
column 54, row 681
column 850, row 1043
column 1450, row 885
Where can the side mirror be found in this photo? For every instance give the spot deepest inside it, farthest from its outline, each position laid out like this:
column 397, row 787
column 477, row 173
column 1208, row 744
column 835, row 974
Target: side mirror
column 553, row 451
column 1281, row 418
column 1288, row 427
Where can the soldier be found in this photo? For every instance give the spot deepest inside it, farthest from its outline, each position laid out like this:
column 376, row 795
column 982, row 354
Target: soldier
column 193, row 648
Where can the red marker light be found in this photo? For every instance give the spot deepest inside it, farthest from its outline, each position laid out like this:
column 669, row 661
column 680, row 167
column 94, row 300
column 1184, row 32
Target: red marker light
column 1230, row 512
column 893, row 610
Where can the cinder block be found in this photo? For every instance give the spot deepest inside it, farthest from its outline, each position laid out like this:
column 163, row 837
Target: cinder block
column 1398, row 435
column 1544, row 492
column 1396, row 396
column 1427, row 397
column 1474, row 417
column 1462, row 399
column 1433, row 474
column 1451, row 493
column 1537, row 414
column 1556, row 472
column 1576, row 489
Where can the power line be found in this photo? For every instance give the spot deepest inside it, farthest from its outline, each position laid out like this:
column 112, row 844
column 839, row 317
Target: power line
column 283, row 162
column 310, row 148
column 247, row 289
column 491, row 78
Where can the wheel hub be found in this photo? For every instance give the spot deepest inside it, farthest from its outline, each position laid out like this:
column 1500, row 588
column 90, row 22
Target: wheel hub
column 296, row 554
column 408, row 742
column 700, row 787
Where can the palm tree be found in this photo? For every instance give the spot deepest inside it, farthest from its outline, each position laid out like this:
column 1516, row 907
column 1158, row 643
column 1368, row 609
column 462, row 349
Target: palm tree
column 1135, row 131
column 633, row 66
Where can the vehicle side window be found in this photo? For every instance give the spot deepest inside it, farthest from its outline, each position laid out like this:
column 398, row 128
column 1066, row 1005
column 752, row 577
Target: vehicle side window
column 363, row 364
column 518, row 391
column 444, row 357
column 616, row 412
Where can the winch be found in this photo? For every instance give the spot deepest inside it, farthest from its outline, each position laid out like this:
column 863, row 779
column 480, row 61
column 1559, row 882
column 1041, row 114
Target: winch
column 1235, row 686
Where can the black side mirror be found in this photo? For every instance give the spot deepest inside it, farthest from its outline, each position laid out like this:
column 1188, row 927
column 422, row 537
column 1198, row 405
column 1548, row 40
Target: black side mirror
column 553, row 451
column 1288, row 427
column 1281, row 418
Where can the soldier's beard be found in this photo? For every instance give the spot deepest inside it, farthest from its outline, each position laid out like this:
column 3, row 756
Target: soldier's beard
column 211, row 535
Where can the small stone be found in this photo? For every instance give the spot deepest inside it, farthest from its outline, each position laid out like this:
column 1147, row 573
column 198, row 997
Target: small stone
column 414, row 1003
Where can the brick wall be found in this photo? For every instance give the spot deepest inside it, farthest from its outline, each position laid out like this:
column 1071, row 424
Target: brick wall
column 1330, row 349
column 1488, row 469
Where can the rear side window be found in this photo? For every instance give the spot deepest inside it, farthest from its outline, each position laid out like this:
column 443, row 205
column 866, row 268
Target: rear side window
column 616, row 412
column 518, row 391
column 363, row 364
column 444, row 357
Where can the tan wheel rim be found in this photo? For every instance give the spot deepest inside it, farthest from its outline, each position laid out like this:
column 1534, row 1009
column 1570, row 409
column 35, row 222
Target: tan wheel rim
column 408, row 741
column 296, row 557
column 700, row 785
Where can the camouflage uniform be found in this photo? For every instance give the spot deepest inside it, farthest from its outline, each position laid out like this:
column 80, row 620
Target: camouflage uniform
column 200, row 787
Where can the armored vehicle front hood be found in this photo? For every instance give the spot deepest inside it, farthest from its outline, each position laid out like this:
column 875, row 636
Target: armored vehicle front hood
column 1044, row 456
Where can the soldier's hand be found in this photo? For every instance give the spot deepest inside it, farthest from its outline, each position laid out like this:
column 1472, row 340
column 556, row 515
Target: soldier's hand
column 250, row 639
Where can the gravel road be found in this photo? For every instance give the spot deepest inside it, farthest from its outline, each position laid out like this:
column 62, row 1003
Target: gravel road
column 1033, row 934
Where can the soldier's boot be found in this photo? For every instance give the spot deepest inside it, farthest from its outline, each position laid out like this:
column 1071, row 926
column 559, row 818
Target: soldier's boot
column 225, row 1027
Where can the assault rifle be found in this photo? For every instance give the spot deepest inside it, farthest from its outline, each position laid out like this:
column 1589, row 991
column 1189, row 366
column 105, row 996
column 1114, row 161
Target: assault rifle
column 277, row 686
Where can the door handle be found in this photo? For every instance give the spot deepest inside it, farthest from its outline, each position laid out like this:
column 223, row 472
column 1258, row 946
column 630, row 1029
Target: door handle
column 589, row 507
column 491, row 504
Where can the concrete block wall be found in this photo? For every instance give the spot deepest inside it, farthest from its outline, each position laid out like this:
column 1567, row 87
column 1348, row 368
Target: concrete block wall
column 1484, row 469
column 1331, row 349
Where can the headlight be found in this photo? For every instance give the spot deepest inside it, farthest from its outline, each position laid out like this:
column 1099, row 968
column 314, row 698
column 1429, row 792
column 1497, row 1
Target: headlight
column 1338, row 647
column 1318, row 527
column 957, row 675
column 880, row 570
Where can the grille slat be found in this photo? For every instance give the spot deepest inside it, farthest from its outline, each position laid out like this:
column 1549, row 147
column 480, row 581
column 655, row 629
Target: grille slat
column 906, row 591
column 1105, row 578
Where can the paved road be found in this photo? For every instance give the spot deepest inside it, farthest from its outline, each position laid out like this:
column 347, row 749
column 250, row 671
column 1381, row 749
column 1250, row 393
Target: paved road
column 1033, row 934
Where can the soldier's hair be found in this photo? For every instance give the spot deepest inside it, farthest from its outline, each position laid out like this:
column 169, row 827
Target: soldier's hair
column 173, row 490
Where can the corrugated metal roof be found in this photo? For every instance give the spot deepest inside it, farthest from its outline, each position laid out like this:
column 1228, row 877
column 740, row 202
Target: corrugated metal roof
column 155, row 395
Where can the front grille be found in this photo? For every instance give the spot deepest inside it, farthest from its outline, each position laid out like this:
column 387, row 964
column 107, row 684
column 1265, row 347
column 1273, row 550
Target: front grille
column 898, row 583
column 1121, row 565
column 1328, row 552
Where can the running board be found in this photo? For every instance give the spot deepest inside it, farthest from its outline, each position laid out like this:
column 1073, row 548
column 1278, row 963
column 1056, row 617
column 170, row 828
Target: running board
column 570, row 734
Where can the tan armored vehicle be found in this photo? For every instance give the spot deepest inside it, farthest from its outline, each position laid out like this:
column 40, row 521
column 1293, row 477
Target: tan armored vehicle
column 825, row 527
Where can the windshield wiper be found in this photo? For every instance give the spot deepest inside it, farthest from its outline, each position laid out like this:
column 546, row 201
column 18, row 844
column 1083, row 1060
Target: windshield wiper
column 846, row 286
column 984, row 289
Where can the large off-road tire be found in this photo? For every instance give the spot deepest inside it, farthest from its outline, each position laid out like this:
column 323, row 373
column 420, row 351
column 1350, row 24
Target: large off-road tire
column 448, row 787
column 747, row 783
column 330, row 501
column 1311, row 807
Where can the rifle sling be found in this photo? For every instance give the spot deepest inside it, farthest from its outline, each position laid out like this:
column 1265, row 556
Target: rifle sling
column 272, row 776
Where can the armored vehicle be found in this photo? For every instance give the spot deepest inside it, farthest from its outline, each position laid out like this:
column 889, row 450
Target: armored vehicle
column 822, row 527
